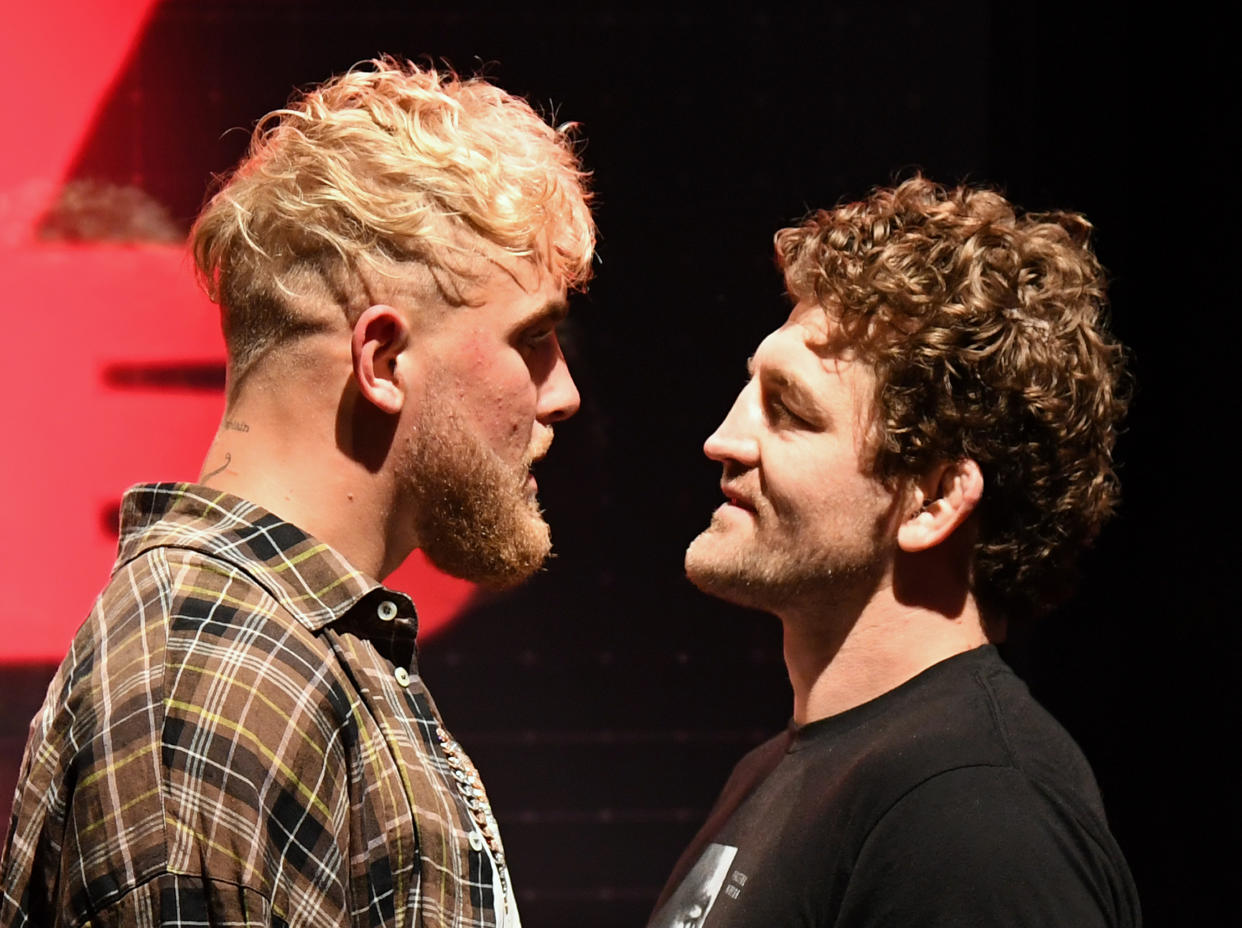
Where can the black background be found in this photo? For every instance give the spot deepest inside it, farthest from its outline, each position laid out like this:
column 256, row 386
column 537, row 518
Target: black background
column 606, row 701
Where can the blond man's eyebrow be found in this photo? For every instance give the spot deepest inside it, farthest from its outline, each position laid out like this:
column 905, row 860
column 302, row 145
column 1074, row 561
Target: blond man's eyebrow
column 553, row 311
column 557, row 310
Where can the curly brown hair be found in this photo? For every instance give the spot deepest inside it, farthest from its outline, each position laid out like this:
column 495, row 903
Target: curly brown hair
column 986, row 330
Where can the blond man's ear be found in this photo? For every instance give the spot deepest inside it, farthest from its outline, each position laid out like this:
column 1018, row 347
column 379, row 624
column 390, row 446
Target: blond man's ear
column 380, row 337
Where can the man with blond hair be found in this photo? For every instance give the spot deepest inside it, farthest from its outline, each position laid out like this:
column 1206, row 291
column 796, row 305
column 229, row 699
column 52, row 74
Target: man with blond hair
column 240, row 734
column 919, row 456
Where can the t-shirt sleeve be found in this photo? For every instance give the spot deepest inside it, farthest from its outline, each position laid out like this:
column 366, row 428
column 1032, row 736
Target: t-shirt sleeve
column 984, row 846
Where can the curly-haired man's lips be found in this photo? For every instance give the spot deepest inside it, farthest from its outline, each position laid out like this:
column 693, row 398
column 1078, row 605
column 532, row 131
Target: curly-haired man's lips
column 735, row 499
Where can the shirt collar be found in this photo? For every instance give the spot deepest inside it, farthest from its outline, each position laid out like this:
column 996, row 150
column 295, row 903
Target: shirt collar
column 310, row 579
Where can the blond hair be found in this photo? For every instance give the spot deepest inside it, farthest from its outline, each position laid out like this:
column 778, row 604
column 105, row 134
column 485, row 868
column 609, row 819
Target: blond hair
column 986, row 330
column 386, row 168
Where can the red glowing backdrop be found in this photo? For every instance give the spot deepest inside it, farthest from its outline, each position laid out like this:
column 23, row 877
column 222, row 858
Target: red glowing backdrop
column 114, row 361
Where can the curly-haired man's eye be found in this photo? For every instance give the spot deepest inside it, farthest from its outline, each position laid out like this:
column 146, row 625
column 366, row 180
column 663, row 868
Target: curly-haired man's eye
column 779, row 413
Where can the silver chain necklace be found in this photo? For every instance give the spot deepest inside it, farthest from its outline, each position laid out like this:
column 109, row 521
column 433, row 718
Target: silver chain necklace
column 471, row 788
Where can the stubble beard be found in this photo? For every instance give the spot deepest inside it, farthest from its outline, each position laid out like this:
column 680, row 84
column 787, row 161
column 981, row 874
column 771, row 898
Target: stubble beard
column 746, row 569
column 473, row 514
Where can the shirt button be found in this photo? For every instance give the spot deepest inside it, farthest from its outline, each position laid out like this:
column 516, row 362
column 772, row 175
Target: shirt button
column 695, row 912
column 476, row 840
column 387, row 610
column 403, row 676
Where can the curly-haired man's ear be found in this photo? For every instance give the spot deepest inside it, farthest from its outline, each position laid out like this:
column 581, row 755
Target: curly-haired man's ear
column 941, row 501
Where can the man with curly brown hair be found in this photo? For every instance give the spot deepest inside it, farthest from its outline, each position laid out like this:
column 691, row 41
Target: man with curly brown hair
column 919, row 456
column 240, row 734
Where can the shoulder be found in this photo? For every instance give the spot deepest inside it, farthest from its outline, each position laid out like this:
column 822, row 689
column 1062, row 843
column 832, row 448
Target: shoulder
column 980, row 798
column 176, row 625
column 254, row 703
column 969, row 711
column 194, row 734
column 987, row 844
column 972, row 720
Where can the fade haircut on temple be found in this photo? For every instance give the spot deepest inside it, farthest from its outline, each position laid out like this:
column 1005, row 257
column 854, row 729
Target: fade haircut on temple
column 386, row 175
column 986, row 331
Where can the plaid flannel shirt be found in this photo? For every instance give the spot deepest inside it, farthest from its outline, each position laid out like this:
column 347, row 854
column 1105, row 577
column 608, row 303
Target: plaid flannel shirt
column 239, row 736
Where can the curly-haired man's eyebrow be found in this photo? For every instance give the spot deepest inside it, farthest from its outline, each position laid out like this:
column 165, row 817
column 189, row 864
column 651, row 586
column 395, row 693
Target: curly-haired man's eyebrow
column 791, row 389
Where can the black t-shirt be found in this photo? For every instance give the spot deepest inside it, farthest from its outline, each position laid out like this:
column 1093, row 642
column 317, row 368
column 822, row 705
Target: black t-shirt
column 954, row 799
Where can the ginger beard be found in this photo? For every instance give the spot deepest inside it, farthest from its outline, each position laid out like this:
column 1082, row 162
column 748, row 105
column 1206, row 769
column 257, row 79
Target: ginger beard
column 475, row 515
